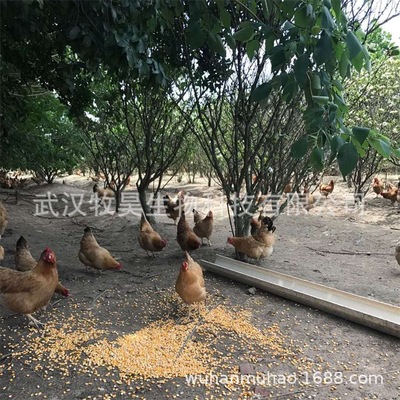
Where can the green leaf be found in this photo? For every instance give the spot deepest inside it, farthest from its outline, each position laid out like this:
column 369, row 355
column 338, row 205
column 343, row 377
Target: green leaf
column 347, row 158
column 338, row 85
column 380, row 146
column 301, row 18
column 300, row 69
column 215, row 43
column 141, row 46
column 131, row 57
column 265, row 8
column 224, row 14
column 344, row 66
column 353, row 44
column 195, row 35
column 289, row 85
column 230, row 41
column 360, row 149
column 360, row 133
column 336, row 143
column 337, row 8
column 315, row 83
column 317, row 158
column 323, row 49
column 358, row 61
column 321, row 99
column 261, row 92
column 277, row 57
column 299, row 148
column 244, row 34
column 327, row 21
column 252, row 47
column 396, row 152
column 367, row 59
column 74, row 32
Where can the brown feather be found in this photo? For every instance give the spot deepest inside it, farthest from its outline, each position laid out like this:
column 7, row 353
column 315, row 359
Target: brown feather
column 186, row 238
column 26, row 292
column 190, row 282
column 93, row 255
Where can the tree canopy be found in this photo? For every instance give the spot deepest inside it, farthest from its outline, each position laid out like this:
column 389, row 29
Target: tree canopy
column 241, row 60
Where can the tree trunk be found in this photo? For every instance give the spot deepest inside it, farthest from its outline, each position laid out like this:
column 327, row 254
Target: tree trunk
column 242, row 228
column 49, row 178
column 117, row 199
column 145, row 207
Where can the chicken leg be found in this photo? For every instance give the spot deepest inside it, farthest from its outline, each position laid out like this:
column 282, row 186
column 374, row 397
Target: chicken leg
column 34, row 321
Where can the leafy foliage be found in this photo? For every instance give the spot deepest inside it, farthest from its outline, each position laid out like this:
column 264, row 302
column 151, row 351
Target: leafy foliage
column 374, row 102
column 47, row 142
column 157, row 134
column 107, row 138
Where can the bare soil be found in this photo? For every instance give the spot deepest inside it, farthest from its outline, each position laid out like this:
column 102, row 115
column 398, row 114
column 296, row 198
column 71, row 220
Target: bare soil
column 310, row 354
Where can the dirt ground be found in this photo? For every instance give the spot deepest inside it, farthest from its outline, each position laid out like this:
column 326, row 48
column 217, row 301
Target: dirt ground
column 125, row 334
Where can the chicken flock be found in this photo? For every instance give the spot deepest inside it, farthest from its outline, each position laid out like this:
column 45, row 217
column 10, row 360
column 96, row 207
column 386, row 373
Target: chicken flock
column 30, row 286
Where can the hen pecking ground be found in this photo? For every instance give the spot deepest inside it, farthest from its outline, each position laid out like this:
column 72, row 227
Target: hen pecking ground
column 126, row 334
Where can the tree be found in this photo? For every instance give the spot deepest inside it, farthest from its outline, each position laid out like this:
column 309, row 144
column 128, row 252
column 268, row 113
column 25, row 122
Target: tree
column 107, row 138
column 374, row 101
column 46, row 141
column 157, row 134
column 305, row 44
column 251, row 117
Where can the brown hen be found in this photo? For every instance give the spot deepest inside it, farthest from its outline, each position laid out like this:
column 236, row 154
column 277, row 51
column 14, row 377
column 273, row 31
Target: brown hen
column 25, row 262
column 185, row 236
column 174, row 207
column 93, row 255
column 149, row 239
column 27, row 292
column 327, row 189
column 3, row 219
column 259, row 245
column 204, row 227
column 190, row 282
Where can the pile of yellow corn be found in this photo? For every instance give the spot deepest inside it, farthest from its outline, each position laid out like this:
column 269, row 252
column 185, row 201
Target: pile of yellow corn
column 213, row 341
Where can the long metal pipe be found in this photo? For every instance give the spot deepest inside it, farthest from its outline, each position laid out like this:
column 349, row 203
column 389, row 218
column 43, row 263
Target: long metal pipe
column 374, row 314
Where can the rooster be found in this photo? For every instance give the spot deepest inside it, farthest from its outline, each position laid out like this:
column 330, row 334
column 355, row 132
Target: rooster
column 186, row 238
column 174, row 207
column 25, row 262
column 149, row 239
column 204, row 227
column 93, row 255
column 255, row 224
column 27, row 292
column 259, row 245
column 327, row 189
column 265, row 233
column 377, row 186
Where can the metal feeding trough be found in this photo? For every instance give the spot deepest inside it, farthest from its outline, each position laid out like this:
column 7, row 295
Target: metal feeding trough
column 374, row 314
